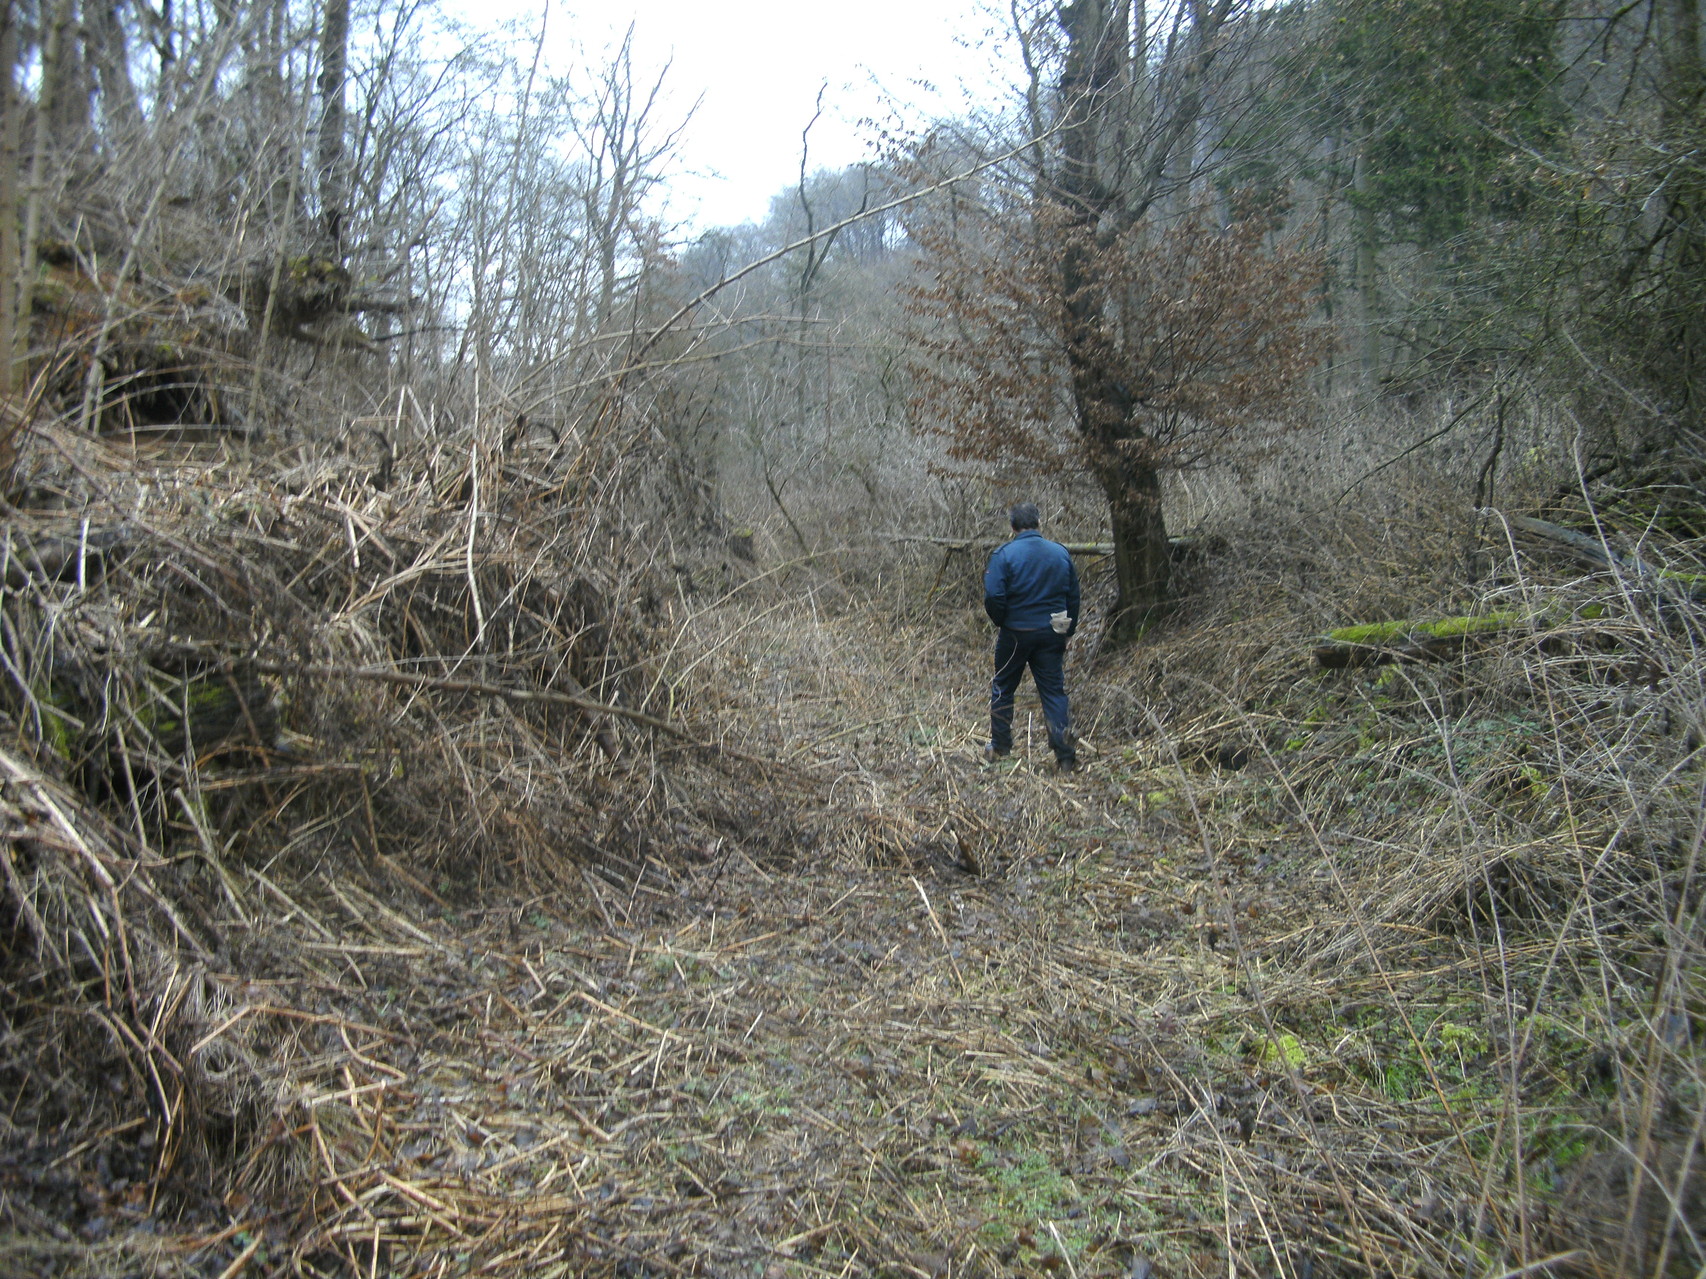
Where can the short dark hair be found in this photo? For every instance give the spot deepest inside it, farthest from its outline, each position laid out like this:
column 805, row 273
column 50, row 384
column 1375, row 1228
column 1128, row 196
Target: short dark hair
column 1024, row 515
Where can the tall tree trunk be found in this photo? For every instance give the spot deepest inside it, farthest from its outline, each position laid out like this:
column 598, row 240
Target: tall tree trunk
column 12, row 320
column 1681, row 249
column 1366, row 272
column 1096, row 49
column 109, row 58
column 1104, row 187
column 67, row 89
column 54, row 86
column 330, row 155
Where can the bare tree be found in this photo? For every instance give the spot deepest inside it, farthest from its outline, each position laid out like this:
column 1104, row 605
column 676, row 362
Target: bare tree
column 13, row 281
column 624, row 151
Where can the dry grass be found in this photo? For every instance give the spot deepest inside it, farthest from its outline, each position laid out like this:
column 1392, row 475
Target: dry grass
column 1391, row 971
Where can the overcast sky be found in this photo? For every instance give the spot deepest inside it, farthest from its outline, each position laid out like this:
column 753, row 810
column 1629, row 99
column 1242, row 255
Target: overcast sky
column 757, row 67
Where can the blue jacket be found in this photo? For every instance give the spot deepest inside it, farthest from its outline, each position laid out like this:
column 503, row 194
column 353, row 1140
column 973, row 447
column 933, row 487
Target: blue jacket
column 1027, row 579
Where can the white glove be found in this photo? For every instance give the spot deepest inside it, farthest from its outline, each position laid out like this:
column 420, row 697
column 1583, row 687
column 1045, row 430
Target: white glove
column 1061, row 621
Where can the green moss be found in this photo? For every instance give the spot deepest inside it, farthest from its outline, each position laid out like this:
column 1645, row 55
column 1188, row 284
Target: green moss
column 215, row 710
column 1694, row 581
column 1284, row 1050
column 1372, row 633
column 1032, row 1187
column 1448, row 627
column 1464, row 1040
column 59, row 725
column 1403, row 1079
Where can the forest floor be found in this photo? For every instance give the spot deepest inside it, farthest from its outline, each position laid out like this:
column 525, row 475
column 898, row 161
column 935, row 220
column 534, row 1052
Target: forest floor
column 1387, row 970
column 944, row 1018
column 982, row 1046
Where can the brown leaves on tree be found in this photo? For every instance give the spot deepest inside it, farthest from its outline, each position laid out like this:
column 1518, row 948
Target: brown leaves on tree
column 1201, row 333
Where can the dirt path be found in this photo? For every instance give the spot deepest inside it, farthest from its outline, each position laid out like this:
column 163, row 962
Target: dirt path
column 828, row 1069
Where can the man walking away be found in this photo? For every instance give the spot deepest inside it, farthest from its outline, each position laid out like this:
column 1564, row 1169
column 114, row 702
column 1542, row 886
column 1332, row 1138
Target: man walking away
column 1030, row 590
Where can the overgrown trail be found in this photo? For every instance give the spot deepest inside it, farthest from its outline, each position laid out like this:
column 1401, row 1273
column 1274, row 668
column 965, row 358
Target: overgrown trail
column 1317, row 988
column 957, row 1028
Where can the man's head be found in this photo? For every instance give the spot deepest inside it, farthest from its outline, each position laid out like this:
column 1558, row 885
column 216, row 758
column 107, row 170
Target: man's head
column 1023, row 516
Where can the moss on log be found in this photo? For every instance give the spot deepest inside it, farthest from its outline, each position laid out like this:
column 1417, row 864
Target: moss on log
column 199, row 711
column 1378, row 643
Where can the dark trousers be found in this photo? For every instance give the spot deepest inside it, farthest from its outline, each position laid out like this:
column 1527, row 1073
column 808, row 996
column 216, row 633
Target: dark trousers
column 1045, row 653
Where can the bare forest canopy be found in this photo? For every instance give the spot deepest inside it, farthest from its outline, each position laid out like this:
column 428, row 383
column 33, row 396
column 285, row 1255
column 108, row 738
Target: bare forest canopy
column 492, row 682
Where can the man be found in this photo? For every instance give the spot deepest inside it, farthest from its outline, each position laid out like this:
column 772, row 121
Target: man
column 1030, row 590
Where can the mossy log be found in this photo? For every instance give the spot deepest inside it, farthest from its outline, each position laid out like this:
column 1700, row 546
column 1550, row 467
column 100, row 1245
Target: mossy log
column 198, row 712
column 111, row 733
column 1380, row 643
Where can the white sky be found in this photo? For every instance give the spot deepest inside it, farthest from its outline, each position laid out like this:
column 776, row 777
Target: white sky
column 759, row 65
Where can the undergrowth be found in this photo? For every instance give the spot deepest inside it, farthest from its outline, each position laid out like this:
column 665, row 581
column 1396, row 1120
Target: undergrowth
column 1506, row 960
column 739, row 960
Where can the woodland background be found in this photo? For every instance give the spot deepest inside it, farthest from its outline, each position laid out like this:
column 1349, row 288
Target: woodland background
column 492, row 681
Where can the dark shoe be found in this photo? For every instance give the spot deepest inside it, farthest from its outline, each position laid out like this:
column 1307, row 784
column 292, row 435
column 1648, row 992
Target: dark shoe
column 990, row 754
column 1066, row 765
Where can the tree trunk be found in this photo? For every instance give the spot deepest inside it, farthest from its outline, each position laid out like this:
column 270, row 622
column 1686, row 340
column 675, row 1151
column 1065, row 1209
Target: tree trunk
column 55, row 68
column 334, row 180
column 1367, row 274
column 11, row 281
column 66, row 87
column 1103, row 406
column 1142, row 563
column 1681, row 250
column 109, row 59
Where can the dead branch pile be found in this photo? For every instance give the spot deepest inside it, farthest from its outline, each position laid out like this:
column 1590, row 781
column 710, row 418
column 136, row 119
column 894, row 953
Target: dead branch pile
column 249, row 706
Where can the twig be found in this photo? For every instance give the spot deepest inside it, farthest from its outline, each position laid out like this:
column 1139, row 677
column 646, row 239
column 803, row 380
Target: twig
column 947, row 946
column 450, row 684
column 241, row 1261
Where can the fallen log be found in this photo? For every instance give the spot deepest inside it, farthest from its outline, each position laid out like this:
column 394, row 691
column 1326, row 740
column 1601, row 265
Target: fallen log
column 1594, row 552
column 990, row 543
column 1382, row 643
column 1177, row 545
